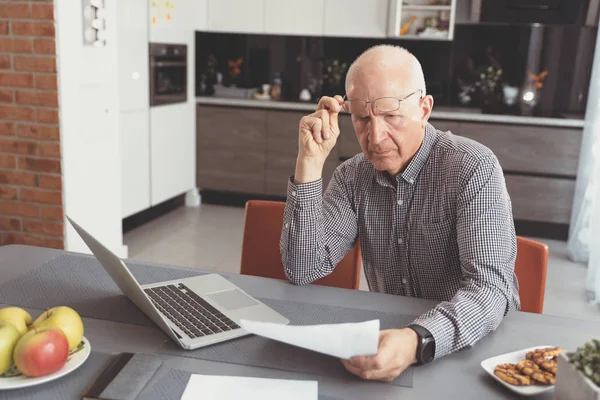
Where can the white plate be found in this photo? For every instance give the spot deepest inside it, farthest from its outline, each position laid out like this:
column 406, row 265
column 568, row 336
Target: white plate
column 512, row 358
column 76, row 358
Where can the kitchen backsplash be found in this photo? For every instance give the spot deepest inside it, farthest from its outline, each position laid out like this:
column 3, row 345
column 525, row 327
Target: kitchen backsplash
column 502, row 69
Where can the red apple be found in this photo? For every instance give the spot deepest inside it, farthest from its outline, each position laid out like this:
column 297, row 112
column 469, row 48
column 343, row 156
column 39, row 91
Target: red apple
column 41, row 352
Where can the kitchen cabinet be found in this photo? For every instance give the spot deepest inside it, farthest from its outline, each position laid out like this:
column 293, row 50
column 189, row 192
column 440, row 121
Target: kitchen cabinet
column 133, row 111
column 231, row 149
column 239, row 16
column 347, row 143
column 171, row 21
column 540, row 198
column 282, row 152
column 197, row 14
column 529, row 149
column 132, row 48
column 294, row 18
column 539, row 163
column 135, row 161
column 254, row 150
column 172, row 151
column 249, row 150
column 356, row 18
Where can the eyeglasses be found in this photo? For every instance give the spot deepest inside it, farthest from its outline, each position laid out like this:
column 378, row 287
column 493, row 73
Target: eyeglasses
column 358, row 108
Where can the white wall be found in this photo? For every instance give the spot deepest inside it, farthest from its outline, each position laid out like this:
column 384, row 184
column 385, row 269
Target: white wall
column 90, row 146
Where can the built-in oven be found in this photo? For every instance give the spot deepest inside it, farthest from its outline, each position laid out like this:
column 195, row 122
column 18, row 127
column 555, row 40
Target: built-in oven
column 168, row 73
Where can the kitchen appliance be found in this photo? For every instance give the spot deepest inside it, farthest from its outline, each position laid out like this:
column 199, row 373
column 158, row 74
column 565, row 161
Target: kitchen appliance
column 168, row 73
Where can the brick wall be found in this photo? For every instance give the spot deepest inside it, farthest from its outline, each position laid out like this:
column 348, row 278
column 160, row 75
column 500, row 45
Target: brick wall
column 30, row 169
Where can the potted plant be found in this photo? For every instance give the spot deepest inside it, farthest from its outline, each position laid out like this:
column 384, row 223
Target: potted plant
column 490, row 89
column 578, row 373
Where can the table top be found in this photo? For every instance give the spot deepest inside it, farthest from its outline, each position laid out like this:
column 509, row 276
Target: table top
column 458, row 375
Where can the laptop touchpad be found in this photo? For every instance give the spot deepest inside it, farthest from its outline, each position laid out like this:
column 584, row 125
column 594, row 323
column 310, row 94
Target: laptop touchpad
column 232, row 299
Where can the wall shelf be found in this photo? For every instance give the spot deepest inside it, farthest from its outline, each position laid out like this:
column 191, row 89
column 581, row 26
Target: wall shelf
column 424, row 7
column 421, row 20
column 424, row 37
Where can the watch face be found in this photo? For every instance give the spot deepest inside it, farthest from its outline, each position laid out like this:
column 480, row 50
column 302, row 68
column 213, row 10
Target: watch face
column 428, row 351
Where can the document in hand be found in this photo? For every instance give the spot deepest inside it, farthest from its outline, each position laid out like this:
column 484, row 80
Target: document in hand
column 214, row 387
column 338, row 340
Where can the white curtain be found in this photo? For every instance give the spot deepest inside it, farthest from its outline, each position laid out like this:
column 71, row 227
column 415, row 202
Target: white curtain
column 584, row 232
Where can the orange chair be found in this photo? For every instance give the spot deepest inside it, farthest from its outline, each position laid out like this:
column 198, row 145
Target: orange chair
column 260, row 248
column 530, row 267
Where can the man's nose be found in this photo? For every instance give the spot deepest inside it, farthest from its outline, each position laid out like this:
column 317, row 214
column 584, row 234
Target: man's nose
column 377, row 134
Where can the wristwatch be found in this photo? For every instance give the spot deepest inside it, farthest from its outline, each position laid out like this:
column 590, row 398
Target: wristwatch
column 426, row 346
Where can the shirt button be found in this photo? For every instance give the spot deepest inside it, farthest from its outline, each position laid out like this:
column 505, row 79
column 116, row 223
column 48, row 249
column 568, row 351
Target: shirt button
column 411, row 180
column 286, row 225
column 404, row 281
column 294, row 193
column 400, row 202
column 400, row 241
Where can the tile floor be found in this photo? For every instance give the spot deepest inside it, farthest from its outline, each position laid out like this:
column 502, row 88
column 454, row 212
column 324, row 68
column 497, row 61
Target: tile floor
column 210, row 237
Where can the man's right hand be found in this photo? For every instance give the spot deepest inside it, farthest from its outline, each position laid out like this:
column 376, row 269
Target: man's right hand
column 317, row 136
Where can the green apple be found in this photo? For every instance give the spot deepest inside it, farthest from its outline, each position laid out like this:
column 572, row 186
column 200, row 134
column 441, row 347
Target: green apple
column 65, row 319
column 16, row 316
column 9, row 336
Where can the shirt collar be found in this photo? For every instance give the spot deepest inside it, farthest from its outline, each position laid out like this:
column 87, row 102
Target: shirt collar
column 413, row 169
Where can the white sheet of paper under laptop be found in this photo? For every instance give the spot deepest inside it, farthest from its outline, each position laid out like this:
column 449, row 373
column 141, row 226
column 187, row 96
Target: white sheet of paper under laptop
column 214, row 387
column 338, row 340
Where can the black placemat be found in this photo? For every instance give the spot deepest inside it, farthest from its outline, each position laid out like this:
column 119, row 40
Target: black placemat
column 262, row 352
column 70, row 386
column 83, row 284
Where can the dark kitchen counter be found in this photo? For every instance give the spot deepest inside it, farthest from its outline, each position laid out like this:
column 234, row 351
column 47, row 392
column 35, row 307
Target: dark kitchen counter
column 438, row 113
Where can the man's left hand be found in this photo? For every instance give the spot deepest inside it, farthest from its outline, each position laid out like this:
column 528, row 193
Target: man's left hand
column 397, row 351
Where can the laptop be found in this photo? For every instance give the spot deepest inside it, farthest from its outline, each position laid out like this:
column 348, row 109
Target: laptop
column 194, row 312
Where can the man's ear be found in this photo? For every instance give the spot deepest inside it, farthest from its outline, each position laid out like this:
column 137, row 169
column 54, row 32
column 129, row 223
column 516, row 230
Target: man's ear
column 426, row 107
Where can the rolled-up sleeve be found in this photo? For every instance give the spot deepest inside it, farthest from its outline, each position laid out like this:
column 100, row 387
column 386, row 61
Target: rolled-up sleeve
column 487, row 249
column 318, row 228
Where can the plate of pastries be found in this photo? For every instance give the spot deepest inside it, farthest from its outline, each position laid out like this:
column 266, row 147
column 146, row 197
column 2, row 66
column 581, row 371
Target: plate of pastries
column 527, row 372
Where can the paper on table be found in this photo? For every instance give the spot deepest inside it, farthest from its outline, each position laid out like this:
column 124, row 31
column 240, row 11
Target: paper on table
column 338, row 340
column 214, row 387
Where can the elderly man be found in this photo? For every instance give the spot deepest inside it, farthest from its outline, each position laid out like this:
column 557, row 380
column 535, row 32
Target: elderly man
column 430, row 208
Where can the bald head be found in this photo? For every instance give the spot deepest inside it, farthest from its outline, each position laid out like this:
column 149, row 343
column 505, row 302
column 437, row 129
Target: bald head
column 393, row 64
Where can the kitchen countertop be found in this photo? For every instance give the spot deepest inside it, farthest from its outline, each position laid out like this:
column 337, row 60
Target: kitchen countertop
column 440, row 112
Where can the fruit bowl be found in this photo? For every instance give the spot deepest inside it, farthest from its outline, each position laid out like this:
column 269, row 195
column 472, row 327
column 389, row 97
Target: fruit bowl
column 13, row 379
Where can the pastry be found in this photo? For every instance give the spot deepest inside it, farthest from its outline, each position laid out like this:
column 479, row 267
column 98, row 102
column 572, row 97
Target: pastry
column 543, row 377
column 527, row 367
column 548, row 365
column 543, row 353
column 509, row 374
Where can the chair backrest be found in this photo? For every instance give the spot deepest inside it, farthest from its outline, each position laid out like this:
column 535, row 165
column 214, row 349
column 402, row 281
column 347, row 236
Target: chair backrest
column 530, row 267
column 260, row 248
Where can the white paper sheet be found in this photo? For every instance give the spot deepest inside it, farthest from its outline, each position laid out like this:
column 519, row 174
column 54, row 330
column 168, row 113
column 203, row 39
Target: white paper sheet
column 214, row 387
column 338, row 340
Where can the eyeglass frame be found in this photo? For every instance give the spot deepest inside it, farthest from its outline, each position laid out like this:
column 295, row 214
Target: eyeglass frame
column 400, row 100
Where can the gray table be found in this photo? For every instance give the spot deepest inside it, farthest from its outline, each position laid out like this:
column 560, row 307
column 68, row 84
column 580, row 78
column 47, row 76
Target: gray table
column 455, row 376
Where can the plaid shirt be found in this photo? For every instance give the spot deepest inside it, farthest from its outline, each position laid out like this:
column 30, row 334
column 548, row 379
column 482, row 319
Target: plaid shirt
column 443, row 231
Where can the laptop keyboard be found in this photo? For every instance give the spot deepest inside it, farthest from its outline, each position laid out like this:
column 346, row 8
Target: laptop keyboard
column 188, row 311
